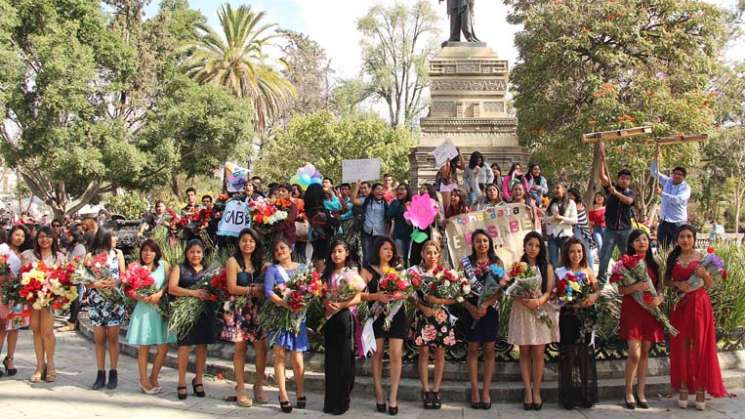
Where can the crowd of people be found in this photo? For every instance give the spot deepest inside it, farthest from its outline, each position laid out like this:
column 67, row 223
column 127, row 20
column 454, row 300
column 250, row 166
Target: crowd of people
column 362, row 227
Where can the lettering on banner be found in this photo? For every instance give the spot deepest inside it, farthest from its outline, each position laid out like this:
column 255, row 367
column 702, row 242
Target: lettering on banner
column 235, row 218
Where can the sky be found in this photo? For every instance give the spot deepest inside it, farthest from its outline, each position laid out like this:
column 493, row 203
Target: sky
column 332, row 23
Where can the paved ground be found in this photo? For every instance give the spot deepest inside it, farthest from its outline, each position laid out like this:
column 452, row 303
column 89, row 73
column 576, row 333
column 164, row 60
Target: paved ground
column 70, row 397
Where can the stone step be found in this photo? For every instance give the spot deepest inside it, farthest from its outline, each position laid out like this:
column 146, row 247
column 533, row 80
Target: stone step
column 506, row 385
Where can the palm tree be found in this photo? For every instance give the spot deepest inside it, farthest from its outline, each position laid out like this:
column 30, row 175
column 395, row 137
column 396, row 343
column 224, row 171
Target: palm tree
column 235, row 60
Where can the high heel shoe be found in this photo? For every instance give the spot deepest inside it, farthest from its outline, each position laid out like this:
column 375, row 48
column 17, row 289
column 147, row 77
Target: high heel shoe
column 113, row 380
column 701, row 405
column 285, row 407
column 51, row 376
column 198, row 393
column 629, row 405
column 9, row 371
column 301, row 402
column 426, row 400
column 683, row 399
column 381, row 407
column 527, row 405
column 181, row 392
column 151, row 391
column 392, row 410
column 641, row 403
column 436, row 402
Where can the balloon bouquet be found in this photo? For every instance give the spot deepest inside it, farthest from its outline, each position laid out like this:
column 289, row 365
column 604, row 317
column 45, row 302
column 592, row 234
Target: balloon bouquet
column 306, row 176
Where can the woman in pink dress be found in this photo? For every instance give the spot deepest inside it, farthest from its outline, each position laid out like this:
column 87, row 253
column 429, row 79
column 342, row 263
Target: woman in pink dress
column 694, row 365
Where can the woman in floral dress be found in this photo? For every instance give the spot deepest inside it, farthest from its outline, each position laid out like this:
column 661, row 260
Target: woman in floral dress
column 432, row 328
column 241, row 323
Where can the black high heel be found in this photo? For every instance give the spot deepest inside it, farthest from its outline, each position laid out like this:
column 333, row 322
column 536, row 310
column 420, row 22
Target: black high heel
column 538, row 406
column 381, row 407
column 393, row 410
column 629, row 405
column 436, row 402
column 181, row 392
column 9, row 371
column 285, row 407
column 301, row 401
column 100, row 380
column 194, row 386
column 640, row 403
column 427, row 400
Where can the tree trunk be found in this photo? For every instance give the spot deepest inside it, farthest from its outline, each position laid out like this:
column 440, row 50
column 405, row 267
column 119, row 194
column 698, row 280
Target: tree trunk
column 739, row 195
column 175, row 187
column 594, row 182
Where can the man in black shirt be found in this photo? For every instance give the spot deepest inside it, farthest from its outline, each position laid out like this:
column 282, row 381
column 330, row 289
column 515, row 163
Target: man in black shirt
column 618, row 213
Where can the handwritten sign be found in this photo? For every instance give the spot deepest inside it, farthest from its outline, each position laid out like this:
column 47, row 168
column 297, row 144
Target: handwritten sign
column 235, row 218
column 235, row 177
column 363, row 169
column 444, row 152
column 507, row 225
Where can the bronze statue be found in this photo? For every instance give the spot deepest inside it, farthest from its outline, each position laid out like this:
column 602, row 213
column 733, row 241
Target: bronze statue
column 461, row 20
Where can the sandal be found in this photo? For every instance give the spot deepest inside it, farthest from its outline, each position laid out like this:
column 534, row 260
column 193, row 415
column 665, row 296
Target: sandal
column 198, row 393
column 286, row 407
column 51, row 376
column 181, row 392
column 427, row 400
column 36, row 377
column 9, row 371
column 436, row 402
column 244, row 401
column 259, row 396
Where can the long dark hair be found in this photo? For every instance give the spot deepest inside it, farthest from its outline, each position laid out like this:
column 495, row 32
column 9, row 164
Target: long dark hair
column 257, row 257
column 329, row 268
column 102, row 242
column 407, row 198
column 541, row 261
column 512, row 169
column 47, row 230
column 152, row 245
column 430, row 190
column 192, row 243
column 375, row 257
column 275, row 243
column 477, row 159
column 529, row 173
column 313, row 198
column 491, row 254
column 565, row 252
column 27, row 244
column 672, row 258
column 649, row 257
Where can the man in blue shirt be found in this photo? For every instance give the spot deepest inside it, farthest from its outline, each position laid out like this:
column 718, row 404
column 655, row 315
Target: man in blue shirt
column 675, row 193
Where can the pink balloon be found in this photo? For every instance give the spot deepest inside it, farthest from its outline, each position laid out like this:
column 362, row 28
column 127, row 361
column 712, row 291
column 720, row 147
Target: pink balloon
column 421, row 212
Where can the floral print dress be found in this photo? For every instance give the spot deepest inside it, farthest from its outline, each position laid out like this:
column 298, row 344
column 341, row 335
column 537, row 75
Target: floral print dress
column 435, row 331
column 104, row 311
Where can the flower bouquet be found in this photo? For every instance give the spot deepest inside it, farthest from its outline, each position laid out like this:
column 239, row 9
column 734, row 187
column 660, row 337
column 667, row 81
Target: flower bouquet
column 298, row 292
column 396, row 285
column 713, row 264
column 448, row 285
column 266, row 217
column 42, row 287
column 4, row 266
column 350, row 284
column 186, row 311
column 526, row 283
column 631, row 270
column 94, row 269
column 572, row 288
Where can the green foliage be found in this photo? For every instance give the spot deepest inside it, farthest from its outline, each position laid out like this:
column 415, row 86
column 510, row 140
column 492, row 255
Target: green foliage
column 397, row 40
column 324, row 141
column 728, row 295
column 595, row 66
column 130, row 205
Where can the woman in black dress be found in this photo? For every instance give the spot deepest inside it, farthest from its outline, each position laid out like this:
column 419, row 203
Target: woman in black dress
column 338, row 333
column 204, row 332
column 383, row 261
column 578, row 377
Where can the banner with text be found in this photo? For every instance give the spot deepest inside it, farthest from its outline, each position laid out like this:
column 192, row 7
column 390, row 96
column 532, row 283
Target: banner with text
column 235, row 218
column 507, row 225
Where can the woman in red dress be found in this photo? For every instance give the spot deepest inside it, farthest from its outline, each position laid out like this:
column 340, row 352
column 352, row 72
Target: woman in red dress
column 638, row 328
column 694, row 364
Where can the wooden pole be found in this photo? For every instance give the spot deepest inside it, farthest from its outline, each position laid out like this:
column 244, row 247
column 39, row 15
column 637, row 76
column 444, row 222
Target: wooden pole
column 595, row 137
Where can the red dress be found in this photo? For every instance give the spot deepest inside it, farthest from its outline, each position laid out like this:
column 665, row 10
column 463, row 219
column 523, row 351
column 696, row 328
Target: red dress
column 693, row 353
column 636, row 322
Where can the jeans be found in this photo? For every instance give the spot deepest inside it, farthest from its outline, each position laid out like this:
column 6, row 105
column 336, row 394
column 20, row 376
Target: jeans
column 368, row 247
column 402, row 248
column 597, row 235
column 611, row 239
column 554, row 249
column 473, row 197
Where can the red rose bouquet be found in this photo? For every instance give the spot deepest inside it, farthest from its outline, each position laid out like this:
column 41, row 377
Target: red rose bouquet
column 396, row 285
column 186, row 311
column 302, row 288
column 631, row 270
column 94, row 269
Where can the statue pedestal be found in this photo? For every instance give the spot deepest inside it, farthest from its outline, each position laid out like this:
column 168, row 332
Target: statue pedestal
column 469, row 84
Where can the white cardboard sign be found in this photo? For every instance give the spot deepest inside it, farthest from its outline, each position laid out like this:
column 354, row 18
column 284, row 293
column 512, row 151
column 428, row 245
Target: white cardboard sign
column 362, row 169
column 444, row 152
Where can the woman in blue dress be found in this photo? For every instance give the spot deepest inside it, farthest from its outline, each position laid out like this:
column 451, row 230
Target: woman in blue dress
column 106, row 309
column 280, row 272
column 147, row 326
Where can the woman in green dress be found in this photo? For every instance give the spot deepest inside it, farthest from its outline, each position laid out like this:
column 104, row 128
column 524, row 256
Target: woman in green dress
column 147, row 325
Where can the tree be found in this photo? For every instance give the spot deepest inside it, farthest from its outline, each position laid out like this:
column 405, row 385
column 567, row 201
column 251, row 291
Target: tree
column 324, row 141
column 595, row 66
column 308, row 68
column 80, row 94
column 396, row 44
column 235, row 59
